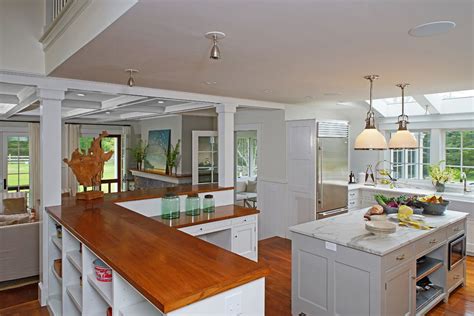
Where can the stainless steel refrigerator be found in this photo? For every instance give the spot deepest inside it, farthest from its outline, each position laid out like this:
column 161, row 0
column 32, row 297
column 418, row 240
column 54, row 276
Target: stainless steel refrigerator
column 332, row 169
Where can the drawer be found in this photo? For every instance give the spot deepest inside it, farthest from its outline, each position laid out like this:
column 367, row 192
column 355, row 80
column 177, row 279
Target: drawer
column 455, row 228
column 206, row 228
column 353, row 195
column 397, row 257
column 431, row 241
column 244, row 220
column 456, row 275
column 352, row 204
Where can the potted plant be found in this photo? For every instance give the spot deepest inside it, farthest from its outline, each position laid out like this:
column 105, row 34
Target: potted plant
column 439, row 177
column 139, row 153
column 172, row 157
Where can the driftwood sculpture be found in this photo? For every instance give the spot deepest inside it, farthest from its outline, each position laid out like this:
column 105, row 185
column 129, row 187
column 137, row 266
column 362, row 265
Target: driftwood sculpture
column 89, row 167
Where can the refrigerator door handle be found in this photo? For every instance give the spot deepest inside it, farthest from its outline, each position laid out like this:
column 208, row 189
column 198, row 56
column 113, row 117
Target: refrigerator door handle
column 320, row 175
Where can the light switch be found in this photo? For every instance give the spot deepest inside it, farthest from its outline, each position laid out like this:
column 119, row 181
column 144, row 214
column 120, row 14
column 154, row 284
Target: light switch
column 233, row 305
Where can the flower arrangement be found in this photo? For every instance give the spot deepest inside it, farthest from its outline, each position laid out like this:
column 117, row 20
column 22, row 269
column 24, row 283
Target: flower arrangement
column 439, row 177
column 139, row 153
column 172, row 156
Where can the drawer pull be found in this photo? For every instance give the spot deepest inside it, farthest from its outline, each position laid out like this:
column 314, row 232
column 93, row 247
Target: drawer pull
column 433, row 241
column 200, row 229
column 456, row 277
column 401, row 257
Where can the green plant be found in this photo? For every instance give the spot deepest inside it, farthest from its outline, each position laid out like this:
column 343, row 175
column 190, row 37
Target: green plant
column 440, row 176
column 139, row 151
column 172, row 155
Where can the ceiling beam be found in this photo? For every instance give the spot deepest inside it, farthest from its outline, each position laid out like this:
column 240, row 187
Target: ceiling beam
column 26, row 97
column 92, row 105
column 9, row 98
column 187, row 107
column 144, row 109
column 424, row 102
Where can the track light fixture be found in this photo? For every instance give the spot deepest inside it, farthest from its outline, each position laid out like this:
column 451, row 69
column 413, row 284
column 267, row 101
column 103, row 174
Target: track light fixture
column 131, row 80
column 215, row 51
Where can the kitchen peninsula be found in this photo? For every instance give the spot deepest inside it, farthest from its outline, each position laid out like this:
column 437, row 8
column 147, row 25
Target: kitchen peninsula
column 339, row 268
column 176, row 273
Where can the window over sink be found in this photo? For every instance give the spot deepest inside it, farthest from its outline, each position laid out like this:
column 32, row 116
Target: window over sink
column 412, row 163
column 460, row 152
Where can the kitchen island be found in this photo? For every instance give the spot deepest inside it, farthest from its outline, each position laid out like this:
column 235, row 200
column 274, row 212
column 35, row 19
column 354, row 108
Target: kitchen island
column 339, row 268
column 156, row 268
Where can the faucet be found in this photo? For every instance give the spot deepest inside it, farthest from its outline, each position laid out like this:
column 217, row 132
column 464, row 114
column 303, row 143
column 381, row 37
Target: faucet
column 464, row 181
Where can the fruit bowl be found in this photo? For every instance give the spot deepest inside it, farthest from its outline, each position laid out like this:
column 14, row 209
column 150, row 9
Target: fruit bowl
column 435, row 208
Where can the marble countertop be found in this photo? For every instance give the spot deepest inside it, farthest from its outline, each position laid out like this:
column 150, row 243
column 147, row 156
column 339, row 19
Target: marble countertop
column 457, row 196
column 349, row 230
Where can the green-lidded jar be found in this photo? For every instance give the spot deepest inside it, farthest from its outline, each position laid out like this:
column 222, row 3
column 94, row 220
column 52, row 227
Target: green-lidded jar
column 170, row 206
column 193, row 205
column 208, row 204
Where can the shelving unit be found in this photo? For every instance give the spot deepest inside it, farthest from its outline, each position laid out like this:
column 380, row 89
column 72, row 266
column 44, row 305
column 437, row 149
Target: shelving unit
column 426, row 268
column 57, row 242
column 55, row 305
column 103, row 288
column 75, row 258
column 427, row 299
column 142, row 309
column 56, row 275
column 55, row 282
column 75, row 293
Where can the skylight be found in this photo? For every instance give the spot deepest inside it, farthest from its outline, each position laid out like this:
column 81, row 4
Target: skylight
column 436, row 103
column 5, row 107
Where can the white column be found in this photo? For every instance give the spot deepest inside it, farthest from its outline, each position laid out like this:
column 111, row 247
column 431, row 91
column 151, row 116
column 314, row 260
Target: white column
column 225, row 129
column 50, row 170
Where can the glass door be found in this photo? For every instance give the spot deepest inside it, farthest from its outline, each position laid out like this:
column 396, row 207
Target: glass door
column 16, row 163
column 111, row 179
column 205, row 157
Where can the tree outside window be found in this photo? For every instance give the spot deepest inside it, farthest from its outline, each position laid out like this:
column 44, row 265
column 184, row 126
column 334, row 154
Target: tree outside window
column 460, row 152
column 246, row 159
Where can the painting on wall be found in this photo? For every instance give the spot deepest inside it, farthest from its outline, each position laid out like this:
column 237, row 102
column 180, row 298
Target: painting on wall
column 159, row 143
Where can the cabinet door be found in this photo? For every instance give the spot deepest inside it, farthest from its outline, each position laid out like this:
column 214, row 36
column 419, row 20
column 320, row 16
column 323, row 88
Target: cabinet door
column 399, row 290
column 205, row 157
column 244, row 241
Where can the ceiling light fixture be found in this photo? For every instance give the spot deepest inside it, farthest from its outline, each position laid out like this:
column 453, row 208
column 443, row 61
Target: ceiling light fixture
column 131, row 80
column 215, row 36
column 161, row 102
column 370, row 138
column 403, row 139
column 432, row 28
column 80, row 94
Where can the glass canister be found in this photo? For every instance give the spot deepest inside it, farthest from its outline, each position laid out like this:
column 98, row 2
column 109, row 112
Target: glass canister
column 170, row 206
column 193, row 205
column 208, row 204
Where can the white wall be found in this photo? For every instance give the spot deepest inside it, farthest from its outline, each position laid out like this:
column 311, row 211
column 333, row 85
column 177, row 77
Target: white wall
column 181, row 127
column 272, row 176
column 21, row 26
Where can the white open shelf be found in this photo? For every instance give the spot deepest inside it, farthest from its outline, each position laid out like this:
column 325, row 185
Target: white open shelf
column 76, row 259
column 103, row 288
column 75, row 292
column 55, row 305
column 57, row 242
column 56, row 275
column 143, row 309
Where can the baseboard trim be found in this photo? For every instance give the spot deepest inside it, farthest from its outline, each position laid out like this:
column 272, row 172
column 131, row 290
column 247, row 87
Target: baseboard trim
column 42, row 294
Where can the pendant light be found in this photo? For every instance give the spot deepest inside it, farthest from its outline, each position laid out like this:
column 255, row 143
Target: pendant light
column 403, row 139
column 215, row 51
column 370, row 138
column 131, row 80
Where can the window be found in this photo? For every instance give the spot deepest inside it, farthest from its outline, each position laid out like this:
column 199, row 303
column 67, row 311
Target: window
column 412, row 163
column 18, row 163
column 112, row 175
column 246, row 156
column 460, row 152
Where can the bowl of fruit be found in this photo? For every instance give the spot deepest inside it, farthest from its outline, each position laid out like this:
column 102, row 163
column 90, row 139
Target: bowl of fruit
column 392, row 204
column 433, row 204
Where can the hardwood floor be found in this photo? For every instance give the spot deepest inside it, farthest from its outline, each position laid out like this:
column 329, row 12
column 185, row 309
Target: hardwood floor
column 276, row 252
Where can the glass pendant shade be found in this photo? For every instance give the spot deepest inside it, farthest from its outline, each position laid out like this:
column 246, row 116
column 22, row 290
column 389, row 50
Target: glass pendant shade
column 403, row 139
column 370, row 138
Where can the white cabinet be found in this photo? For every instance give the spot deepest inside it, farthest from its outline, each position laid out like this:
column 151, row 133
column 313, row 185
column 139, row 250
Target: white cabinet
column 244, row 240
column 399, row 288
column 353, row 200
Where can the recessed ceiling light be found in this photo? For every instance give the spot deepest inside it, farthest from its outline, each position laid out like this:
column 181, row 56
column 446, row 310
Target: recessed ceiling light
column 267, row 91
column 161, row 102
column 80, row 94
column 108, row 112
column 432, row 28
column 209, row 83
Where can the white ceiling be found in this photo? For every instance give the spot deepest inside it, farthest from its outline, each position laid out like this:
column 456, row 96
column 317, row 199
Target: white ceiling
column 296, row 49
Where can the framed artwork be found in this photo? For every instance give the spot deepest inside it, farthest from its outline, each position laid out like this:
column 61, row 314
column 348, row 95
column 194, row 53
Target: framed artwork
column 159, row 143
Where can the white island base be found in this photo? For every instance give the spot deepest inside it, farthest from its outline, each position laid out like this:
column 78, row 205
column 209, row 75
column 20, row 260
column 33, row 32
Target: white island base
column 339, row 268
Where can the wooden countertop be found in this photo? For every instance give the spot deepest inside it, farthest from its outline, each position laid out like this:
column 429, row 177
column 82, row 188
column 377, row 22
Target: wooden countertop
column 170, row 268
column 221, row 213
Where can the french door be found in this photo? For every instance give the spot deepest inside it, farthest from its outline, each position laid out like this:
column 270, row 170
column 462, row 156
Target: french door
column 111, row 179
